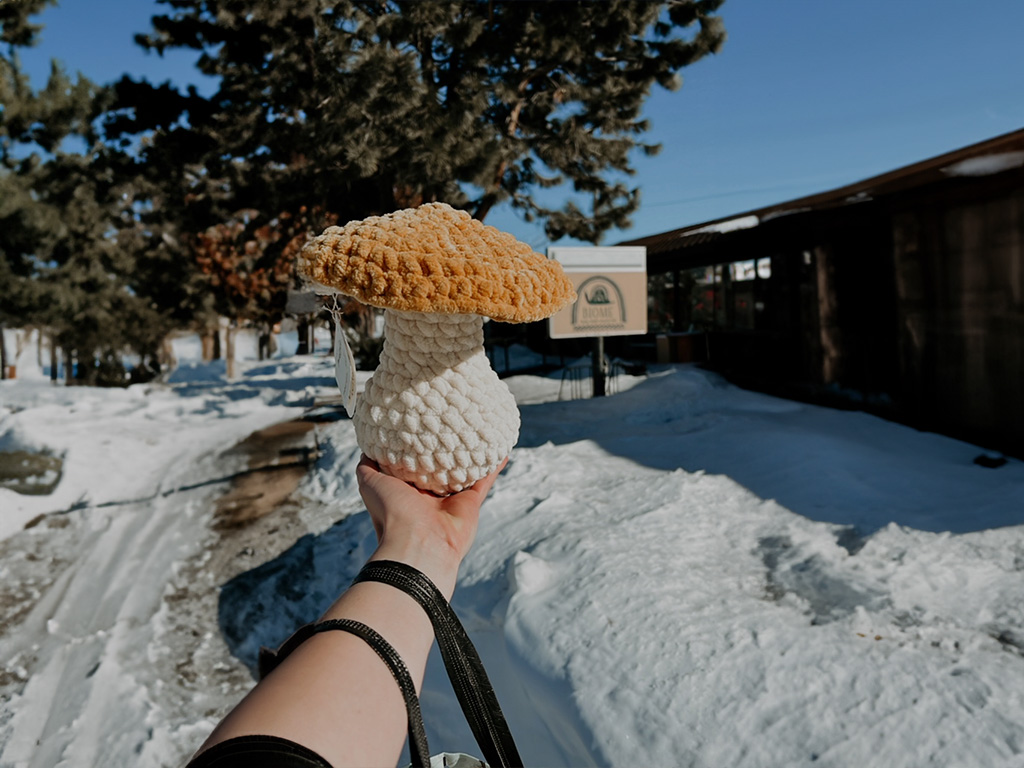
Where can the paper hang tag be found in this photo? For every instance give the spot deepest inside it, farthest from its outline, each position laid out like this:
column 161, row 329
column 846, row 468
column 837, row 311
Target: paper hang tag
column 344, row 369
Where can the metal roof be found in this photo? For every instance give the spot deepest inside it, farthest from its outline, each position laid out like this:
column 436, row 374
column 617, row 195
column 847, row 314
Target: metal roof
column 990, row 157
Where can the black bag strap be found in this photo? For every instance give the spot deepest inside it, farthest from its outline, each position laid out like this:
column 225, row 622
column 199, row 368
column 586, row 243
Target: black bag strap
column 419, row 752
column 465, row 669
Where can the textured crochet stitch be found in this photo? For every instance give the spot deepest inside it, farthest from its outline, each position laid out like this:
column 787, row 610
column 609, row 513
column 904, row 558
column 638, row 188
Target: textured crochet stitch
column 434, row 413
column 437, row 259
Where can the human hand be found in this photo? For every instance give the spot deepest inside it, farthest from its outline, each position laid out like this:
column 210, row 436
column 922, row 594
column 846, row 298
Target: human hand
column 431, row 533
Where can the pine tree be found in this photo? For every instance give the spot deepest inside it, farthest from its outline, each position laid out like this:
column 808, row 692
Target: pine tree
column 32, row 124
column 348, row 108
column 198, row 195
column 68, row 217
column 355, row 107
column 97, row 311
column 15, row 300
column 535, row 95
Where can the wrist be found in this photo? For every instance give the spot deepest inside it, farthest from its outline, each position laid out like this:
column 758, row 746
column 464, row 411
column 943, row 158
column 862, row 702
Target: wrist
column 438, row 562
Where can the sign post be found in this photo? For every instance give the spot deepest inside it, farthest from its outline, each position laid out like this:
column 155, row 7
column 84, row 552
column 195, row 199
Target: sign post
column 611, row 288
column 303, row 304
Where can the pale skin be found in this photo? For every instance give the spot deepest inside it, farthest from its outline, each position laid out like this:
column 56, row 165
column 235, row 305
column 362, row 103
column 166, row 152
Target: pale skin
column 333, row 694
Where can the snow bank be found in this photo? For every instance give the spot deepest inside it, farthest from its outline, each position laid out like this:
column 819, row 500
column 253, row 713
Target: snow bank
column 117, row 443
column 640, row 591
column 681, row 574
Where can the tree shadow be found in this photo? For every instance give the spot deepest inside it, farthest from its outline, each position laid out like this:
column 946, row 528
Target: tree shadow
column 263, row 606
column 844, row 467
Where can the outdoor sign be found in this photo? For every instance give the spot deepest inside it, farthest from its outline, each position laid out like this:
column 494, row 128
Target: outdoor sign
column 611, row 289
column 301, row 303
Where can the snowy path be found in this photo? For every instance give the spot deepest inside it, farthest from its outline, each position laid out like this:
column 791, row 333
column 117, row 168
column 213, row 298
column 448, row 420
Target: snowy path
column 89, row 650
column 87, row 634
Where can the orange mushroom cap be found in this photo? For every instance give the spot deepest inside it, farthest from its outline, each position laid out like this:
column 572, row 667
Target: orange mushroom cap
column 440, row 260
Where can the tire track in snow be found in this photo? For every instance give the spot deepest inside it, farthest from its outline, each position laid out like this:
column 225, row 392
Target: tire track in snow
column 86, row 645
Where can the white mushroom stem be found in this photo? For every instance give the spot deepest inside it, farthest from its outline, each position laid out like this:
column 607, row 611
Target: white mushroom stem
column 435, row 413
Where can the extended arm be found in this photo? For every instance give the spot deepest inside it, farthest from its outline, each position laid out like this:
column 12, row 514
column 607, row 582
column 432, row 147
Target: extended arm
column 333, row 694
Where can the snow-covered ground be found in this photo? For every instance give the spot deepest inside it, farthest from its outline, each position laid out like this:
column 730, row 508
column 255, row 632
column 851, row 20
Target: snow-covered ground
column 683, row 574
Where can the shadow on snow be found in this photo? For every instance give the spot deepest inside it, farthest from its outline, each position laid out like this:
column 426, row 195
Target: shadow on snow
column 842, row 467
column 263, row 606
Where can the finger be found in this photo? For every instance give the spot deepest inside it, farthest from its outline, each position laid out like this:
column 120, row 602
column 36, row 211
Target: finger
column 366, row 469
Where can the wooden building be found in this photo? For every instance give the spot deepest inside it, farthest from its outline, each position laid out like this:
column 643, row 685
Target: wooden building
column 902, row 294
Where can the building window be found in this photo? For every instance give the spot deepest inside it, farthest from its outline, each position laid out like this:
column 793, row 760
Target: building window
column 716, row 297
column 741, row 271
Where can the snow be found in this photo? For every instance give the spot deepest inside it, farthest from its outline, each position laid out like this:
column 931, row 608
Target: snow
column 730, row 225
column 986, row 165
column 771, row 215
column 684, row 573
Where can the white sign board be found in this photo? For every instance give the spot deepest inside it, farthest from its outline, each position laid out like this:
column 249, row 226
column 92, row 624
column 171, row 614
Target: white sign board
column 611, row 292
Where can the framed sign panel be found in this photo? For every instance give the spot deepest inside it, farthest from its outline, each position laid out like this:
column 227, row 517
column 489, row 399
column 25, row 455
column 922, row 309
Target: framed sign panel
column 611, row 292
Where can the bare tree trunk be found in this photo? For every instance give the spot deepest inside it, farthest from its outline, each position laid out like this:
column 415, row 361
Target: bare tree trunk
column 264, row 343
column 209, row 337
column 165, row 356
column 303, row 334
column 230, row 352
column 54, row 360
column 86, row 374
column 206, row 341
column 21, row 340
column 3, row 354
column 69, row 368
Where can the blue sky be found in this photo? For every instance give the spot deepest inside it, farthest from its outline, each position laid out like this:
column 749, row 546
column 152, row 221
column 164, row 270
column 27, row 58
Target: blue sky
column 806, row 95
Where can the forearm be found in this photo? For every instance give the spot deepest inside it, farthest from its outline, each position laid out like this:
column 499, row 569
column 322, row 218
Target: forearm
column 333, row 694
column 333, row 691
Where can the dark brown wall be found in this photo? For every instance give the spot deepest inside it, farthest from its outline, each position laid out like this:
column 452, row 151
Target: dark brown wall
column 960, row 279
column 911, row 304
column 830, row 321
column 858, row 315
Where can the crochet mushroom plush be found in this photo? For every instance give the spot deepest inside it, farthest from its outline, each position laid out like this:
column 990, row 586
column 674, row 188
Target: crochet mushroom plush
column 434, row 413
